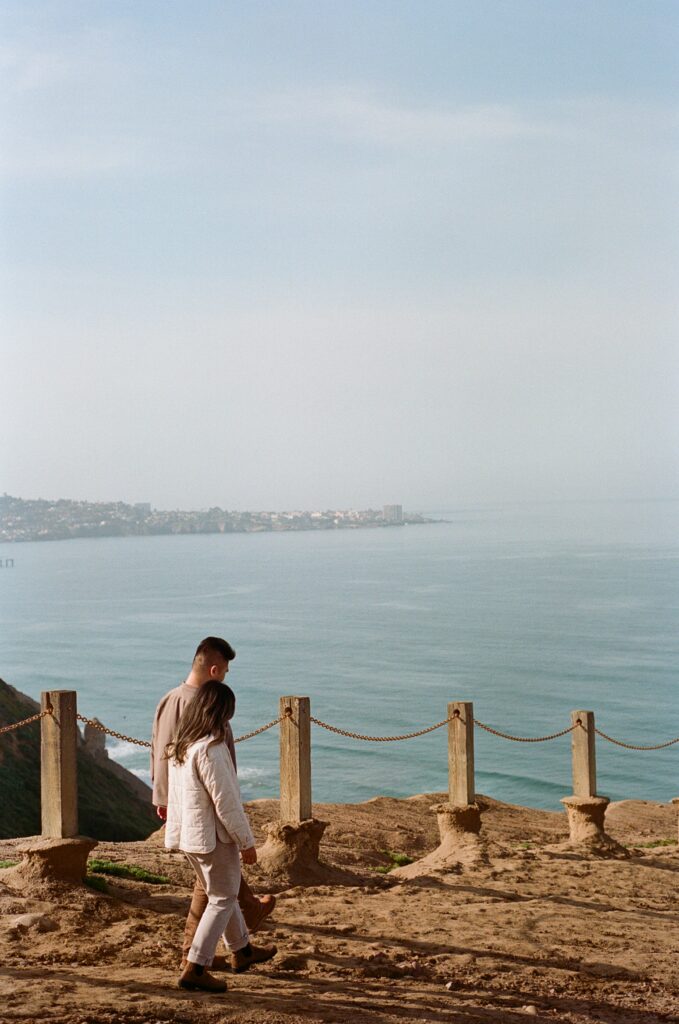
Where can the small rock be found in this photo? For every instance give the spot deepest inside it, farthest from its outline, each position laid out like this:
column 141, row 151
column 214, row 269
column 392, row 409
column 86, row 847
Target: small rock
column 40, row 922
column 530, row 1010
column 451, row 985
column 345, row 929
column 291, row 963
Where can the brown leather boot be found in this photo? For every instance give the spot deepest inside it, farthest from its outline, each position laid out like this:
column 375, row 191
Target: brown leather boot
column 194, row 976
column 245, row 958
column 258, row 910
column 196, row 911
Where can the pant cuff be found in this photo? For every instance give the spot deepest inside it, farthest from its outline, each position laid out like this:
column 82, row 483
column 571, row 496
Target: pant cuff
column 199, row 958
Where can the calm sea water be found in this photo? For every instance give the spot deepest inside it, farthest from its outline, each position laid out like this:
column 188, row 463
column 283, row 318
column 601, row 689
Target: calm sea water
column 527, row 611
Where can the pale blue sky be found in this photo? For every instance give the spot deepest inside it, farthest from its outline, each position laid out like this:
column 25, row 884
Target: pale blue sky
column 311, row 254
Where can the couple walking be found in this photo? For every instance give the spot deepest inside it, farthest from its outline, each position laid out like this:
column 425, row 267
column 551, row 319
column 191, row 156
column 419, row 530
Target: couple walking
column 195, row 791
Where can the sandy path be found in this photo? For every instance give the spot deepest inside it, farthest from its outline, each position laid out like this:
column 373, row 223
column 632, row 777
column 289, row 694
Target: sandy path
column 540, row 932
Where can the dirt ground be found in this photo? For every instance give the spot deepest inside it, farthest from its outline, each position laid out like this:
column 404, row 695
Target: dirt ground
column 539, row 931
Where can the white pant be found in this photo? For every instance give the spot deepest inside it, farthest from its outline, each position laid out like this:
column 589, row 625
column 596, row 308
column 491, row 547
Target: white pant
column 219, row 874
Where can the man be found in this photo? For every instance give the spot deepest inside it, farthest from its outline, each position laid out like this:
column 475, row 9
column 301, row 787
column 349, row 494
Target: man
column 211, row 661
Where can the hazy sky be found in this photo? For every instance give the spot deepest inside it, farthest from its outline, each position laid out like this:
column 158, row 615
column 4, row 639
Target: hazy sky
column 309, row 254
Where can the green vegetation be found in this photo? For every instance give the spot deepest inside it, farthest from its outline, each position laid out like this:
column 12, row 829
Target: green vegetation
column 20, row 767
column 131, row 871
column 95, row 882
column 396, row 860
column 399, row 860
column 107, row 808
column 8, row 863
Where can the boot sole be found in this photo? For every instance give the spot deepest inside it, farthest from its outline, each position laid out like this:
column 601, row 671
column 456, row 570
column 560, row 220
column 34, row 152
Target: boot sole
column 190, row 987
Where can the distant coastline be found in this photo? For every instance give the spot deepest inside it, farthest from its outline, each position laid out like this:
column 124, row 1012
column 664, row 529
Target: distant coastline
column 39, row 519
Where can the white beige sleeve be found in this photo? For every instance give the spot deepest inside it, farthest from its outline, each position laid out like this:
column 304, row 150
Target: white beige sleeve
column 218, row 775
column 164, row 724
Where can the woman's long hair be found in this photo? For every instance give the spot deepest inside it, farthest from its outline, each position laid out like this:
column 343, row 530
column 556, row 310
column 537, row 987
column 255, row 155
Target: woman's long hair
column 208, row 714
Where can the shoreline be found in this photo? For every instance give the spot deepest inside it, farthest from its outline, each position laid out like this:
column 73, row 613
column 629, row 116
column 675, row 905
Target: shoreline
column 223, row 533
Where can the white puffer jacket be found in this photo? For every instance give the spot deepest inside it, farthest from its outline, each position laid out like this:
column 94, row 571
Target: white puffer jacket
column 204, row 802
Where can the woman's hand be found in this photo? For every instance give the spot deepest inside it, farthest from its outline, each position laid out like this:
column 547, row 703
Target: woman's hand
column 249, row 856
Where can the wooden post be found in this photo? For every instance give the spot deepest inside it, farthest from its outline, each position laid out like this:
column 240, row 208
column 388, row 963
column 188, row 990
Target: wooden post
column 461, row 754
column 58, row 770
column 295, row 759
column 584, row 757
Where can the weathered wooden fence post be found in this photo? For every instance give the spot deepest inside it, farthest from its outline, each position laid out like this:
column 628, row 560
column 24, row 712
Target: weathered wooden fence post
column 60, row 852
column 583, row 753
column 586, row 810
column 459, row 820
column 58, row 768
column 461, row 754
column 295, row 758
column 290, row 854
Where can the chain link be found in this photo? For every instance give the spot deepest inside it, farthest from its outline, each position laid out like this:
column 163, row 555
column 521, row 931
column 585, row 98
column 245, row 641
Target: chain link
column 144, row 743
column 526, row 739
column 262, row 728
column 26, row 721
column 380, row 739
column 632, row 746
column 110, row 732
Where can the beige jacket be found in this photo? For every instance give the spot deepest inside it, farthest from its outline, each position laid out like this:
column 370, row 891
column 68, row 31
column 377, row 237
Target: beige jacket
column 204, row 802
column 164, row 724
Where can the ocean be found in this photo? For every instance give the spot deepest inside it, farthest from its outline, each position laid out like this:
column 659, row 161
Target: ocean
column 529, row 611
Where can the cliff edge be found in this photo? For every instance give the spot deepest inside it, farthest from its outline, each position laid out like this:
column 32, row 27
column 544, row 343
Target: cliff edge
column 113, row 803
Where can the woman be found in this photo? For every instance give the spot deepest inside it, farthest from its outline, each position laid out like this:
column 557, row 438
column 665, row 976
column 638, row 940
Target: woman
column 206, row 820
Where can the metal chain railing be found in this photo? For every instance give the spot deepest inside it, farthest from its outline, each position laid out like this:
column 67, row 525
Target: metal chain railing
column 357, row 735
column 110, row 732
column 262, row 728
column 633, row 746
column 421, row 732
column 526, row 739
column 379, row 739
column 26, row 721
column 145, row 743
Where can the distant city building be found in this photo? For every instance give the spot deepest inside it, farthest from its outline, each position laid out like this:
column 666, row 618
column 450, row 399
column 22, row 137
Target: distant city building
column 392, row 513
column 143, row 506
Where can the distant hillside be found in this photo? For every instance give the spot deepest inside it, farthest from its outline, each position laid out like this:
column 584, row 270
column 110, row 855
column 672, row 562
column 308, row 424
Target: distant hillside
column 113, row 803
column 37, row 519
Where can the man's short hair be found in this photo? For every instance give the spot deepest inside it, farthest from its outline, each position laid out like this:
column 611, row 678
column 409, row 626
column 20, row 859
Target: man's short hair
column 211, row 645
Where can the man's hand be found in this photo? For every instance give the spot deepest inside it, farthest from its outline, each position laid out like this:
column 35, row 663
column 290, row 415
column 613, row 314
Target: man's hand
column 162, row 813
column 249, row 856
